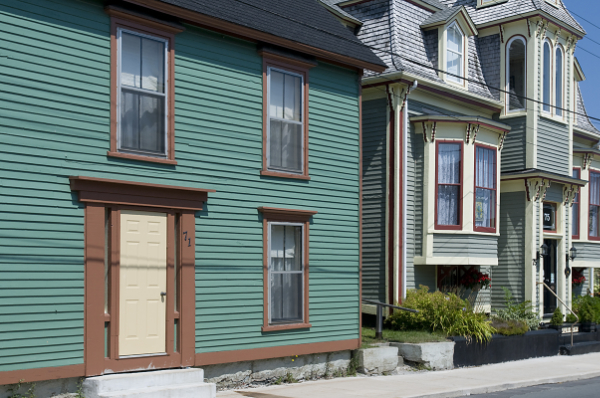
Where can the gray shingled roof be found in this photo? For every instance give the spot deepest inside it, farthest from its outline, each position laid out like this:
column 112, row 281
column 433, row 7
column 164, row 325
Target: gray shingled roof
column 512, row 8
column 583, row 122
column 442, row 16
column 334, row 6
column 306, row 22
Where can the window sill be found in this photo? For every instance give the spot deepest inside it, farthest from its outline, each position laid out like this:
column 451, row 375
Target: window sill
column 557, row 119
column 491, row 3
column 269, row 173
column 448, row 228
column 461, row 232
column 512, row 114
column 486, row 231
column 140, row 158
column 275, row 328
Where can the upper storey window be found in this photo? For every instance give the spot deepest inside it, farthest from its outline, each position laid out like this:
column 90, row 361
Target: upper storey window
column 142, row 94
column 594, row 223
column 455, row 53
column 515, row 74
column 485, row 188
column 559, row 81
column 547, row 76
column 449, row 185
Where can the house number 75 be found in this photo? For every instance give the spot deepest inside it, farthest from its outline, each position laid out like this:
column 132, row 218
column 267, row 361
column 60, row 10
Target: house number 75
column 185, row 239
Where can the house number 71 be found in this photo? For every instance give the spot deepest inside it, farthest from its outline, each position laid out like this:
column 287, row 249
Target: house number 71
column 185, row 239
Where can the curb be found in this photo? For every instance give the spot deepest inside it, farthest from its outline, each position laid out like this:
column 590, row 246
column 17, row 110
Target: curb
column 507, row 386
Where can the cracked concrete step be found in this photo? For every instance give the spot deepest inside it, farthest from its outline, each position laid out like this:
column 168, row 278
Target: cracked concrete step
column 194, row 390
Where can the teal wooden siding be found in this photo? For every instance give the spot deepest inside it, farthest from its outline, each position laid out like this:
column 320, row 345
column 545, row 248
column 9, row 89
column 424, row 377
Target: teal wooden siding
column 55, row 123
column 554, row 193
column 374, row 198
column 455, row 245
column 510, row 272
column 553, row 146
column 514, row 152
column 586, row 251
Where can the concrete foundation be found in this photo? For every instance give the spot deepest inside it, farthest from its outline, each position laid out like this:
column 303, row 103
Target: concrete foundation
column 61, row 388
column 377, row 360
column 278, row 370
column 437, row 356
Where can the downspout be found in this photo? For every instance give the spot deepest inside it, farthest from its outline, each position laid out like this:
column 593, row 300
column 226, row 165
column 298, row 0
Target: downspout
column 391, row 198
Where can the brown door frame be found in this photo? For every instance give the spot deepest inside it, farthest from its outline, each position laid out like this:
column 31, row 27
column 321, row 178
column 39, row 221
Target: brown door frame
column 100, row 195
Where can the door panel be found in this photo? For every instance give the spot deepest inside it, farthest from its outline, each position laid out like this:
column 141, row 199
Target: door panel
column 143, row 277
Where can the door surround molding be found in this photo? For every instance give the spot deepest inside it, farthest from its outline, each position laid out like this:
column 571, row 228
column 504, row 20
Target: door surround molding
column 98, row 195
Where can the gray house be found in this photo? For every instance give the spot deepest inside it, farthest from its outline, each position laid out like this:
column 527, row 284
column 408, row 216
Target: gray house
column 475, row 164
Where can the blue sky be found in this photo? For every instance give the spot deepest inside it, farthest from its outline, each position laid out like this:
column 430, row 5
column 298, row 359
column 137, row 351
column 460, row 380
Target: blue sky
column 588, row 9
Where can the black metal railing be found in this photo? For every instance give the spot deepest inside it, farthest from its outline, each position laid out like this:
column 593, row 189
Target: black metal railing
column 379, row 321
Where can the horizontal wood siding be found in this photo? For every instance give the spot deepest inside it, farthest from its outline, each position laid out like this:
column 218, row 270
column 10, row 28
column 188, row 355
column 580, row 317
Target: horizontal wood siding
column 586, row 252
column 510, row 272
column 455, row 245
column 514, row 152
column 55, row 56
column 553, row 147
column 374, row 198
column 554, row 193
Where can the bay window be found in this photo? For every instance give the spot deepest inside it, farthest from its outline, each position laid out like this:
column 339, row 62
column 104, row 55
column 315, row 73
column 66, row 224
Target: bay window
column 546, row 78
column 454, row 53
column 594, row 216
column 575, row 213
column 516, row 74
column 559, row 82
column 485, row 189
column 449, row 185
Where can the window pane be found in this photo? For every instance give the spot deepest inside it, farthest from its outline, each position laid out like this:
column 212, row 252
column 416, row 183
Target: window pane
column 449, row 157
column 485, row 168
column 277, row 247
column 454, row 40
column 142, row 122
column 286, row 298
column 547, row 65
column 516, row 75
column 292, row 98
column 448, row 201
column 293, row 248
column 485, row 208
column 153, row 65
column 559, row 81
column 454, row 66
column 575, row 223
column 131, row 64
column 276, row 95
column 594, row 224
column 285, row 142
column 595, row 189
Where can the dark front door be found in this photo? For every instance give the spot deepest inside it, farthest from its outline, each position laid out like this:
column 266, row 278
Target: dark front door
column 550, row 276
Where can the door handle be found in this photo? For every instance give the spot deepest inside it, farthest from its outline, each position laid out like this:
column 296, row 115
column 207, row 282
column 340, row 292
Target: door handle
column 163, row 294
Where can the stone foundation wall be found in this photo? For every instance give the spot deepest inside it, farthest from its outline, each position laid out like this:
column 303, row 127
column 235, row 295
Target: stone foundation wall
column 278, row 370
column 61, row 388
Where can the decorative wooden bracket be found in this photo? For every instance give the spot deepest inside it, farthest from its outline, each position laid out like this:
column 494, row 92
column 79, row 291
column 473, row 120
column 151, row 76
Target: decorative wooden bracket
column 569, row 194
column 502, row 33
column 475, row 131
column 536, row 189
column 574, row 46
column 468, row 133
column 425, row 132
column 569, row 43
column 432, row 138
column 558, row 32
column 433, row 131
column 540, row 26
column 502, row 138
column 528, row 27
column 587, row 160
column 544, row 30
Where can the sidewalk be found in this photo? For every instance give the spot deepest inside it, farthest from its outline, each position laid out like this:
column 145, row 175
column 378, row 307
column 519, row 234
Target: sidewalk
column 450, row 383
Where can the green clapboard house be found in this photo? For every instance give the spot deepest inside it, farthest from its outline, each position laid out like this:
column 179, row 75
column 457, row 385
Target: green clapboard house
column 179, row 184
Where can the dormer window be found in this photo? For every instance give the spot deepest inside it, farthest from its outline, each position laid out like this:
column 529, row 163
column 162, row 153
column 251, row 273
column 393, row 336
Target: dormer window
column 516, row 81
column 454, row 53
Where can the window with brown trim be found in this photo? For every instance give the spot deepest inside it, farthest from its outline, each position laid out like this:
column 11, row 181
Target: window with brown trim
column 485, row 188
column 448, row 185
column 285, row 118
column 142, row 99
column 549, row 217
column 285, row 265
column 576, row 209
column 594, row 217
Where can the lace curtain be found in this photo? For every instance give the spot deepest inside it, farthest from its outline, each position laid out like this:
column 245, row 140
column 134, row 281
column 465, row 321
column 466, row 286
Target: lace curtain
column 449, row 158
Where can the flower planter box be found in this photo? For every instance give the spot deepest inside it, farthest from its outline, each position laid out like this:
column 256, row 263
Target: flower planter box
column 539, row 343
column 587, row 327
column 566, row 328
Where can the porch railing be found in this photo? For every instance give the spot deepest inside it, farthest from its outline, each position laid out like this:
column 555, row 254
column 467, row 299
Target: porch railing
column 563, row 303
column 379, row 321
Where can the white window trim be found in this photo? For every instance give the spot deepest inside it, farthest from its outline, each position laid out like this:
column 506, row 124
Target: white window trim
column 451, row 79
column 270, row 271
column 301, row 123
column 562, row 69
column 507, row 75
column 166, row 94
column 551, row 77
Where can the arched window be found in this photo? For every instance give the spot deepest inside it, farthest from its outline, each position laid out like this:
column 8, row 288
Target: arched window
column 559, row 81
column 515, row 74
column 547, row 95
column 454, row 53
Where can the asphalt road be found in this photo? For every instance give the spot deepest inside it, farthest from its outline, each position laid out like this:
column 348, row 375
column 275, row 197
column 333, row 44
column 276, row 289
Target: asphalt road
column 577, row 389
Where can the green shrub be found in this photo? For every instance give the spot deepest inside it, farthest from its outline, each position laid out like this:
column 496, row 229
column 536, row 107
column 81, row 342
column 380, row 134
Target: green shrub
column 557, row 318
column 571, row 318
column 521, row 312
column 587, row 308
column 510, row 327
column 447, row 313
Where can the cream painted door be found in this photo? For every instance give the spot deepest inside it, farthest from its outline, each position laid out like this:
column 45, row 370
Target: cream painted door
column 143, row 277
